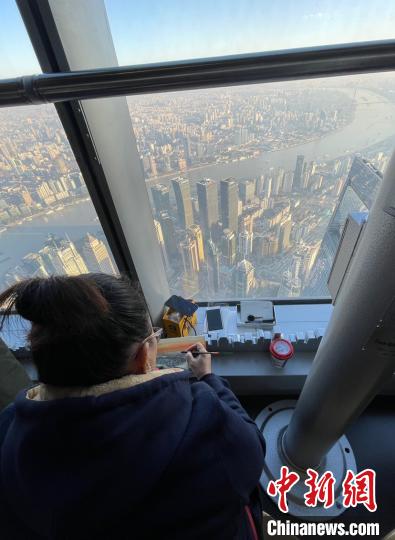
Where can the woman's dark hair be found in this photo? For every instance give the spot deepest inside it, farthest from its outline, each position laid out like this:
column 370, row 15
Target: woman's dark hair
column 83, row 327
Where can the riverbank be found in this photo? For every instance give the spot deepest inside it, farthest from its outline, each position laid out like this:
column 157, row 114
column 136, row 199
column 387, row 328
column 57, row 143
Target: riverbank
column 374, row 121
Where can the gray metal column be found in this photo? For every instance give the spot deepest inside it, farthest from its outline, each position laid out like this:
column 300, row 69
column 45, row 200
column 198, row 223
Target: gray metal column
column 357, row 353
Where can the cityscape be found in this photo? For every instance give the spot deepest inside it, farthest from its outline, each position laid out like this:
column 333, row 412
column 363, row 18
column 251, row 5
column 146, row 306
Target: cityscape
column 40, row 179
column 268, row 226
column 258, row 235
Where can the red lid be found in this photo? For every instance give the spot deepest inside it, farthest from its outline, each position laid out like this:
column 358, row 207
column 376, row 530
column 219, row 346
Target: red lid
column 281, row 348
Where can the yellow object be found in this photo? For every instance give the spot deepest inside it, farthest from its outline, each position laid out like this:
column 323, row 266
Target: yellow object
column 177, row 327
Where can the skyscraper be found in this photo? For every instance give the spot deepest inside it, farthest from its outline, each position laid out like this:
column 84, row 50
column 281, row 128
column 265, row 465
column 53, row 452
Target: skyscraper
column 298, row 173
column 152, row 163
column 191, row 266
column 169, row 237
column 288, row 182
column 161, row 198
column 182, row 193
column 187, row 150
column 245, row 244
column 196, row 232
column 259, row 185
column 244, row 280
column 277, row 183
column 246, row 222
column 190, row 256
column 229, row 204
column 96, row 255
column 290, row 286
column 208, row 203
column 247, row 191
column 60, row 256
column 161, row 242
column 213, row 256
column 267, row 188
column 357, row 195
column 229, row 247
column 33, row 265
column 285, row 233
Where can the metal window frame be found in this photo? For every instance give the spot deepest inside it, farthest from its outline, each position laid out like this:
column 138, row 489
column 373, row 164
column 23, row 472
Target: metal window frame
column 312, row 62
column 44, row 37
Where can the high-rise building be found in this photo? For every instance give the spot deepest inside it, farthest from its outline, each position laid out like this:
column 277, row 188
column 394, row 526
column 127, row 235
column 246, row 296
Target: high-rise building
column 27, row 198
column 277, row 183
column 315, row 182
column 245, row 244
column 229, row 247
column 244, row 280
column 153, row 167
column 60, row 256
column 191, row 267
column 304, row 176
column 357, row 195
column 169, row 237
column 259, row 183
column 190, row 256
column 288, row 182
column 270, row 244
column 258, row 244
column 161, row 198
column 182, row 193
column 208, row 203
column 45, row 193
column 280, row 175
column 290, row 286
column 267, row 188
column 229, row 196
column 285, row 233
column 297, row 182
column 187, row 150
column 96, row 255
column 161, row 242
column 247, row 191
column 307, row 255
column 213, row 258
column 246, row 221
column 196, row 232
column 33, row 265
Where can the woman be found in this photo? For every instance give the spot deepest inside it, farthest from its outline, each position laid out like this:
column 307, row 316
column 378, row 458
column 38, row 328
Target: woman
column 107, row 446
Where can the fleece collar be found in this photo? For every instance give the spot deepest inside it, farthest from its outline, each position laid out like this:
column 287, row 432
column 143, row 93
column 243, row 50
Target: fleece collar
column 46, row 392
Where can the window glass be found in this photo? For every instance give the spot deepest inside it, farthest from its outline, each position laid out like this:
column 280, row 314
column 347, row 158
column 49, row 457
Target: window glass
column 148, row 31
column 250, row 186
column 48, row 224
column 17, row 54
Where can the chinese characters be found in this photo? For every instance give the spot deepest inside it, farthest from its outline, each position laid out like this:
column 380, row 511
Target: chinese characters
column 356, row 488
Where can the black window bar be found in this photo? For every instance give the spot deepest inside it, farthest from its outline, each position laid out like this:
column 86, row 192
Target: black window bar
column 291, row 64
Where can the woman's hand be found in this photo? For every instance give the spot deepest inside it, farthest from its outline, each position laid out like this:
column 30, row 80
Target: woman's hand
column 199, row 365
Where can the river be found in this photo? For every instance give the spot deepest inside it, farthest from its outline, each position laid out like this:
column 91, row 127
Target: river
column 374, row 121
column 17, row 241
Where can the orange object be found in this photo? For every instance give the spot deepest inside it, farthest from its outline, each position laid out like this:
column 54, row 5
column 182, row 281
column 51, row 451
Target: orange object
column 169, row 345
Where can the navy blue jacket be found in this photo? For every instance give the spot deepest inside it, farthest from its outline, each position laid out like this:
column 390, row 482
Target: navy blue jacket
column 172, row 458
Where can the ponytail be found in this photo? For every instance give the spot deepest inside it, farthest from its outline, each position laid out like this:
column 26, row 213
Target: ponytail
column 55, row 301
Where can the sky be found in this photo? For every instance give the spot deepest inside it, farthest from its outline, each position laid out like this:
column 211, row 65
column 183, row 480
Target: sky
column 146, row 31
